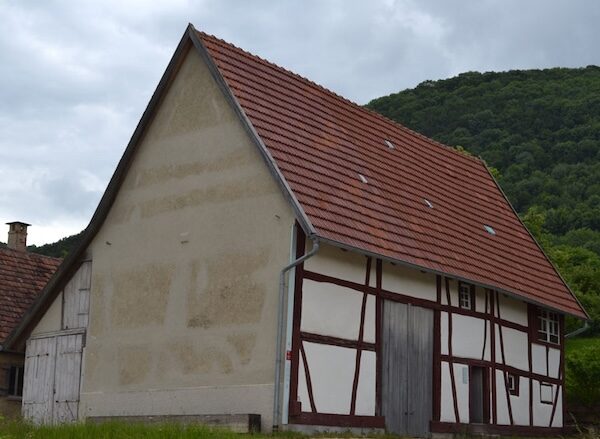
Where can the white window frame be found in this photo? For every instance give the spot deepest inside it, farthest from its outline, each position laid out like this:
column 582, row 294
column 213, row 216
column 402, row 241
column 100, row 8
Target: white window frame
column 464, row 296
column 548, row 326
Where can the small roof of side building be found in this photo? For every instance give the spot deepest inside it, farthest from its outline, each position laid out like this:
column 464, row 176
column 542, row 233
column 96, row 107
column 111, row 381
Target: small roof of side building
column 23, row 276
column 357, row 180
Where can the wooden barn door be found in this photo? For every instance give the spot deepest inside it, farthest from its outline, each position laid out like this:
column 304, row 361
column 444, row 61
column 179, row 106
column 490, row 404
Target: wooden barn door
column 67, row 377
column 407, row 361
column 51, row 379
column 38, row 380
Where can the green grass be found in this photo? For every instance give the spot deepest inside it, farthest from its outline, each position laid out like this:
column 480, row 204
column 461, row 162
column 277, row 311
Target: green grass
column 117, row 430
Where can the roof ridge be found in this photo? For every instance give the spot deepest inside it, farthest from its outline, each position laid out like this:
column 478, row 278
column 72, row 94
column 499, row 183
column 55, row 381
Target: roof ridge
column 358, row 107
column 30, row 254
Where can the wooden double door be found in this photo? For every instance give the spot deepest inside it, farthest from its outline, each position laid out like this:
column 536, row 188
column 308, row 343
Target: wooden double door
column 52, row 377
column 407, row 368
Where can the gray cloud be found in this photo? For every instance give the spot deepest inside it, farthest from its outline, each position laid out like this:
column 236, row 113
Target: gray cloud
column 76, row 76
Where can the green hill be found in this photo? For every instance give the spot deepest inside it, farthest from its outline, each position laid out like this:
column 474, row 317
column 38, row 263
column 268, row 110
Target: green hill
column 540, row 129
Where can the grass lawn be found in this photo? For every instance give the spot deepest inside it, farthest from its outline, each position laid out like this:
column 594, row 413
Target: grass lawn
column 17, row 429
column 117, row 430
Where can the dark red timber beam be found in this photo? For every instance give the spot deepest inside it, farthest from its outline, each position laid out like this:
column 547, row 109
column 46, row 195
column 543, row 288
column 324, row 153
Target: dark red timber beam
column 532, row 325
column 561, row 371
column 378, row 336
column 493, row 358
column 361, row 332
column 405, row 298
column 437, row 351
column 485, row 327
column 506, row 389
column 450, row 363
column 294, row 406
column 311, row 397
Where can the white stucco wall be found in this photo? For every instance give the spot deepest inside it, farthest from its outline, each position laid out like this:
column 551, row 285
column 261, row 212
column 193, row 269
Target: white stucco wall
column 52, row 319
column 329, row 309
column 185, row 289
column 403, row 280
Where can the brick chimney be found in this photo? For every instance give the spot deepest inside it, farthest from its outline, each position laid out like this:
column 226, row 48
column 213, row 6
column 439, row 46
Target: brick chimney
column 17, row 235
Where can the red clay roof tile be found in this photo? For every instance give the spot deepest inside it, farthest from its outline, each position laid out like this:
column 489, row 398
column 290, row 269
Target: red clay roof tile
column 23, row 275
column 321, row 142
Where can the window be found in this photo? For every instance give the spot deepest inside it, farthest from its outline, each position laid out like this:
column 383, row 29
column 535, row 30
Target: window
column 466, row 296
column 546, row 393
column 512, row 382
column 548, row 326
column 15, row 381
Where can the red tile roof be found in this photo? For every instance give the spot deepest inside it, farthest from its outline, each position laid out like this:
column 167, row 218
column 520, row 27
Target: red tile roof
column 322, row 143
column 23, row 275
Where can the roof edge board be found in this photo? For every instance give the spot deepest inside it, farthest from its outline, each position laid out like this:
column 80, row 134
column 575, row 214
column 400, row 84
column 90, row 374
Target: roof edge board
column 266, row 155
column 68, row 266
column 512, row 294
column 483, row 163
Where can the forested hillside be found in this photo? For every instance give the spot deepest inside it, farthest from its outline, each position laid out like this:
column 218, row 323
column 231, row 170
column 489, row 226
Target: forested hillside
column 58, row 249
column 540, row 129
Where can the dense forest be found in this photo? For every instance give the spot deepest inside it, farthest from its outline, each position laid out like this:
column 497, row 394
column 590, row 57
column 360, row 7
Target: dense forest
column 540, row 131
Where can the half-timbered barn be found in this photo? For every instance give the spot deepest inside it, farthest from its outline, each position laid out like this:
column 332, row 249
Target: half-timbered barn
column 23, row 276
column 267, row 247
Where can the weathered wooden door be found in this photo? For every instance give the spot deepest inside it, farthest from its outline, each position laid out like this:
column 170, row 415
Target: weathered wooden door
column 38, row 389
column 52, row 377
column 67, row 377
column 407, row 361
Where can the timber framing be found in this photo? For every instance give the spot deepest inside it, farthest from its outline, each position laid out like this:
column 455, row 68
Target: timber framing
column 495, row 367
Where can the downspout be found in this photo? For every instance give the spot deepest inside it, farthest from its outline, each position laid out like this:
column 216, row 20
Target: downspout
column 579, row 331
column 280, row 325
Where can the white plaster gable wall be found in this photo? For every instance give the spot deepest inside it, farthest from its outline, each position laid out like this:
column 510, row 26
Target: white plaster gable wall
column 339, row 263
column 513, row 310
column 184, row 299
column 467, row 336
column 332, row 310
column 461, row 379
column 538, row 358
column 446, row 395
column 332, row 374
column 520, row 404
column 542, row 412
column 403, row 280
column 553, row 362
column 515, row 348
column 365, row 396
column 502, row 407
column 52, row 319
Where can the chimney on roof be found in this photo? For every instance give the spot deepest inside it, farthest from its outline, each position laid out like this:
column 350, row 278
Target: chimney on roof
column 17, row 235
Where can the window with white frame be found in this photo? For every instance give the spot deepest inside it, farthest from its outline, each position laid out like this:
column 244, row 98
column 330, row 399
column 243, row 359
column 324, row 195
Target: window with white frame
column 465, row 296
column 548, row 326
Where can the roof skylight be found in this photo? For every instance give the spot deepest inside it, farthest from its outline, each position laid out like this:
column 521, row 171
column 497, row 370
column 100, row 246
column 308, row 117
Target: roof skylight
column 389, row 144
column 428, row 203
column 489, row 229
column 363, row 178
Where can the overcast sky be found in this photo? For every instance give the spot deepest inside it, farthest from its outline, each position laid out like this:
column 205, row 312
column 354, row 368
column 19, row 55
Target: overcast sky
column 76, row 76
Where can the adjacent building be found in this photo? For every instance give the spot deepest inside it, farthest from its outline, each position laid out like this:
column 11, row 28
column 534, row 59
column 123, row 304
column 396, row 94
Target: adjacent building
column 23, row 275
